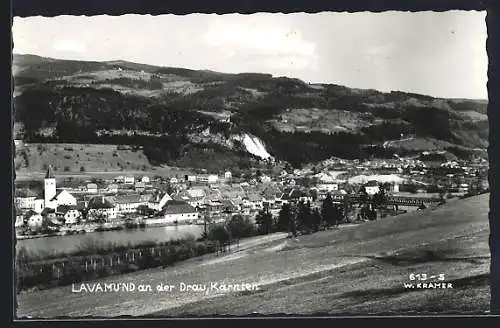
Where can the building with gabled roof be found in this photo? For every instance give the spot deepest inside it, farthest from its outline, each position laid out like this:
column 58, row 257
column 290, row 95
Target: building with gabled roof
column 100, row 207
column 372, row 187
column 68, row 214
column 63, row 198
column 156, row 200
column 128, row 203
column 175, row 211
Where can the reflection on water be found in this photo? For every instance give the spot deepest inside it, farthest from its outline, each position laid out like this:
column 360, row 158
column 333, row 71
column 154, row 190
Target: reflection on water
column 57, row 244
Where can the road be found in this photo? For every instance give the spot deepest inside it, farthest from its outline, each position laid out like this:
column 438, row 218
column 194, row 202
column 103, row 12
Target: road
column 351, row 270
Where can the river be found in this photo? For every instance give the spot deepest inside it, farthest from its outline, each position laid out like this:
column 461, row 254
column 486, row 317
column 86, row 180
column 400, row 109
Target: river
column 57, row 244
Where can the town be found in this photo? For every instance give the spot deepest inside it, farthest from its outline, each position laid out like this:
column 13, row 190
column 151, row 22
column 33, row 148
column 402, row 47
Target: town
column 128, row 201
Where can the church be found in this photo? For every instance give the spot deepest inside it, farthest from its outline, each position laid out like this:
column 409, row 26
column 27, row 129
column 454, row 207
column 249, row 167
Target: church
column 52, row 198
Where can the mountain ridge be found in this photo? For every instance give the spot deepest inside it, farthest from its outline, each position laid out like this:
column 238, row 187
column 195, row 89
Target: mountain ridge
column 69, row 101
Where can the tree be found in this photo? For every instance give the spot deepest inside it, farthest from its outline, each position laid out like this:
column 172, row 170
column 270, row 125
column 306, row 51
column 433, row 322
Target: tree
column 284, row 218
column 264, row 220
column 218, row 233
column 314, row 194
column 304, row 217
column 379, row 199
column 240, row 227
column 316, row 219
column 329, row 212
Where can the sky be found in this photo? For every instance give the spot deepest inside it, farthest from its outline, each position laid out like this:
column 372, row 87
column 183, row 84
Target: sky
column 442, row 54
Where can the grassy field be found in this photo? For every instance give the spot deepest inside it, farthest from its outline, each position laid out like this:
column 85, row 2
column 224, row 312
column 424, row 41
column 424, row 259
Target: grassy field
column 32, row 160
column 354, row 270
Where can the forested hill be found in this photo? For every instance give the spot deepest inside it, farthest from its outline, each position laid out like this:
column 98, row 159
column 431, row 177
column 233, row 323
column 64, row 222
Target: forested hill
column 182, row 116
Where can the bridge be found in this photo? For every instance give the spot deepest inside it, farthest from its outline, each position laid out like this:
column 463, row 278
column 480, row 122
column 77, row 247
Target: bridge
column 391, row 200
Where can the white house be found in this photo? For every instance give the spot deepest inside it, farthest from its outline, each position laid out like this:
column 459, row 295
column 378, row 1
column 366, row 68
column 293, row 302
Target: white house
column 228, row 175
column 68, row 214
column 140, row 186
column 63, row 198
column 128, row 203
column 212, row 178
column 19, row 221
column 174, row 180
column 112, row 188
column 265, row 179
column 129, row 180
column 372, row 188
column 158, row 200
column 328, row 187
column 195, row 197
column 25, row 202
column 35, row 220
column 92, row 188
column 145, row 179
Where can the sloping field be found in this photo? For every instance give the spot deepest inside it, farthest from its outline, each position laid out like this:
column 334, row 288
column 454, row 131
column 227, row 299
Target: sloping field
column 352, row 270
column 74, row 157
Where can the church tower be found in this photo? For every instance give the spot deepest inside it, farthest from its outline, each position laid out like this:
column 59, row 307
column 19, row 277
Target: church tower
column 49, row 187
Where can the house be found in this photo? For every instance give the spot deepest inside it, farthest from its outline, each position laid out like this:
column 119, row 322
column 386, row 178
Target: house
column 328, row 187
column 156, row 200
column 128, row 203
column 19, row 221
column 252, row 201
column 140, row 186
column 295, row 195
column 28, row 200
column 194, row 196
column 145, row 179
column 92, row 188
column 463, row 188
column 190, row 178
column 34, row 220
column 265, row 179
column 112, row 188
column 372, row 187
column 394, row 187
column 63, row 198
column 175, row 211
column 129, row 180
column 228, row 175
column 68, row 214
column 212, row 178
column 119, row 179
column 100, row 207
column 174, row 180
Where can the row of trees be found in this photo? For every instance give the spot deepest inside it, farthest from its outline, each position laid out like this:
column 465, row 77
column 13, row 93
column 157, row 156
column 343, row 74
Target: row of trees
column 295, row 218
column 301, row 217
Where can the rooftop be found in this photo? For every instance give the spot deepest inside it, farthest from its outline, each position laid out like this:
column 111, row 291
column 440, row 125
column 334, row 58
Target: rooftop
column 177, row 207
column 50, row 173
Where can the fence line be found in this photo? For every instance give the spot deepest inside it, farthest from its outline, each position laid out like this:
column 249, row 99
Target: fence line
column 88, row 265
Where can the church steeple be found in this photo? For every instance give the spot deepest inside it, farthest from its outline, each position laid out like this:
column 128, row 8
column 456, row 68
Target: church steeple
column 50, row 173
column 50, row 188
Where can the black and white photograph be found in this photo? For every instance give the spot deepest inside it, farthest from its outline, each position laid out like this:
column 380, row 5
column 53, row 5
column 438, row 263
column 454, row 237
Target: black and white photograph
column 204, row 165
